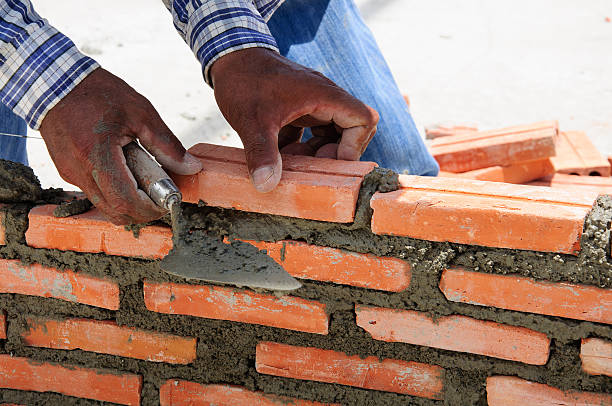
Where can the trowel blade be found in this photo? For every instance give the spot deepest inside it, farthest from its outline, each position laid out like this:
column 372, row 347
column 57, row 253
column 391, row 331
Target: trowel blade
column 222, row 263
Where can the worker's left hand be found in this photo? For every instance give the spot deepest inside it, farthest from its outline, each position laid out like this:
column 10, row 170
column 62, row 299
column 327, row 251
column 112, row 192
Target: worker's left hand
column 269, row 100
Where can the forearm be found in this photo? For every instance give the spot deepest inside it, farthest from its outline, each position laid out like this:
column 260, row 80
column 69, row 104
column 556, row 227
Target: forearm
column 216, row 28
column 38, row 64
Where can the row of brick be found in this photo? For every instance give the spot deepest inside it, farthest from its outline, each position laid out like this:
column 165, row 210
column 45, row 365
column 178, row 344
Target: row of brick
column 510, row 292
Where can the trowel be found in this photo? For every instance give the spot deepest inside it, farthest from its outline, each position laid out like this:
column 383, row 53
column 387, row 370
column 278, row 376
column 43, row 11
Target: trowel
column 187, row 260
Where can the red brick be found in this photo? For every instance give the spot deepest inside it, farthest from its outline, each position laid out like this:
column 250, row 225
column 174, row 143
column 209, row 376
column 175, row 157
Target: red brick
column 38, row 280
column 2, row 227
column 576, row 154
column 103, row 385
column 314, row 364
column 2, row 325
column 107, row 337
column 482, row 149
column 221, row 303
column 596, row 356
column 489, row 214
column 92, row 232
column 445, row 130
column 326, row 264
column 455, row 333
column 581, row 302
column 521, row 172
column 513, row 391
column 593, row 184
column 310, row 188
column 183, row 393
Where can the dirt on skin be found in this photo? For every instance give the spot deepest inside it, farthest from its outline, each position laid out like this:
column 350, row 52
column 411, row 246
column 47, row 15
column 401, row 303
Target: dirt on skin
column 226, row 350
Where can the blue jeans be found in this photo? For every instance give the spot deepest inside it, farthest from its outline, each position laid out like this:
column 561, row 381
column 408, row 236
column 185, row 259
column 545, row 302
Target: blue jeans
column 12, row 148
column 330, row 36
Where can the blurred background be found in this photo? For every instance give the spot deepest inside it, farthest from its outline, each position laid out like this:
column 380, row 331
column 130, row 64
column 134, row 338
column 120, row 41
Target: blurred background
column 490, row 63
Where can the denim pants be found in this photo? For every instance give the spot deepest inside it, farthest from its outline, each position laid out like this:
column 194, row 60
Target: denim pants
column 330, row 36
column 12, row 148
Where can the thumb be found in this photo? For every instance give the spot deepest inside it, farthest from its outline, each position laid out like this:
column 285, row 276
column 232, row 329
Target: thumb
column 263, row 158
column 167, row 149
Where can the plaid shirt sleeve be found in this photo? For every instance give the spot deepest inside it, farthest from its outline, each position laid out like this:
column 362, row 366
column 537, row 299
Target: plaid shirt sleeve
column 216, row 28
column 38, row 64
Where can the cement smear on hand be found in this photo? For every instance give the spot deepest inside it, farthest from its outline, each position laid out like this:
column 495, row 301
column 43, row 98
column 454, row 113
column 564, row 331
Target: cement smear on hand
column 225, row 352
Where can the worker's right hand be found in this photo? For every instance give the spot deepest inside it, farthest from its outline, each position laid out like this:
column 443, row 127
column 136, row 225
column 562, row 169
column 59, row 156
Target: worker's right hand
column 269, row 100
column 85, row 133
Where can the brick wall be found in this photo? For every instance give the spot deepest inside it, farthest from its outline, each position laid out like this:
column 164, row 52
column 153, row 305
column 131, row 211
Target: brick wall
column 441, row 292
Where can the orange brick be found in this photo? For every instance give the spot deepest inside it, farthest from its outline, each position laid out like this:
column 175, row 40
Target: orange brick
column 38, row 280
column 489, row 214
column 444, row 130
column 326, row 264
column 183, row 393
column 521, row 172
column 527, row 295
column 2, row 227
column 455, row 333
column 310, row 188
column 482, row 149
column 92, row 232
column 576, row 154
column 108, row 338
column 103, row 385
column 596, row 356
column 221, row 303
column 2, row 325
column 314, row 364
column 593, row 184
column 513, row 391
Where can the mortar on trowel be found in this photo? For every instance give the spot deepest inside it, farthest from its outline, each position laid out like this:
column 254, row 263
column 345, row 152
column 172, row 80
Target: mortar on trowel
column 207, row 258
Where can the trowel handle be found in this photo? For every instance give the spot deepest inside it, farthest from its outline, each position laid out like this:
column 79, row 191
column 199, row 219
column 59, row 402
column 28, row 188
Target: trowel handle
column 151, row 177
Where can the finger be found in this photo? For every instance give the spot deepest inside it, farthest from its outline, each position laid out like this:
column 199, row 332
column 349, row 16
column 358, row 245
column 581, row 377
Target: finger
column 298, row 148
column 356, row 118
column 263, row 158
column 328, row 151
column 289, row 135
column 157, row 138
column 93, row 193
column 119, row 189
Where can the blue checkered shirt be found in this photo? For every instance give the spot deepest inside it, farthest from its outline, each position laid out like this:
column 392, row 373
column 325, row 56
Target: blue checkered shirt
column 39, row 65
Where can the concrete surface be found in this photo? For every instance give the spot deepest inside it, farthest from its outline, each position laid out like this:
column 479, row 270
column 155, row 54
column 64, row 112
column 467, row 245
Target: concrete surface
column 493, row 63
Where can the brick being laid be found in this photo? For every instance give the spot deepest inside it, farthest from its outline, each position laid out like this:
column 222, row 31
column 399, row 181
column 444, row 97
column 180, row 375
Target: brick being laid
column 577, row 155
column 107, row 386
column 307, row 261
column 107, row 337
column 483, row 149
column 518, row 173
column 596, row 356
column 482, row 213
column 310, row 188
column 511, row 292
column 175, row 392
column 455, row 333
column 513, row 391
column 222, row 303
column 71, row 286
column 315, row 364
column 92, row 232
column 444, row 130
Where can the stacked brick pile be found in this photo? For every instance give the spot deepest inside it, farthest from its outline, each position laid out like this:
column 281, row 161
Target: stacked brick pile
column 424, row 292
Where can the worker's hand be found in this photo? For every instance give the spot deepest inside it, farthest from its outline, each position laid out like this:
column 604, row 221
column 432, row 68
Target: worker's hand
column 269, row 100
column 85, row 133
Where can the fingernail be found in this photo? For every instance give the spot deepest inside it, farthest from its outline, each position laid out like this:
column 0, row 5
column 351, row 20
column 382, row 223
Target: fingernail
column 262, row 178
column 192, row 162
